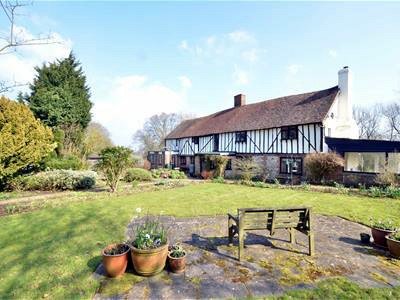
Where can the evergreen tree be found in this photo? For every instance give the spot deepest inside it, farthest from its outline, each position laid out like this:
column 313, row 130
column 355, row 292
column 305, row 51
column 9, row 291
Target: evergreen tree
column 60, row 97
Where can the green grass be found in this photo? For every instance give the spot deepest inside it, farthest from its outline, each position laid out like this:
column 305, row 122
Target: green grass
column 52, row 252
column 340, row 288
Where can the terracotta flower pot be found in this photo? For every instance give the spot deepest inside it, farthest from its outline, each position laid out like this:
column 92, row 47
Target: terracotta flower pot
column 149, row 262
column 394, row 246
column 379, row 236
column 177, row 264
column 115, row 265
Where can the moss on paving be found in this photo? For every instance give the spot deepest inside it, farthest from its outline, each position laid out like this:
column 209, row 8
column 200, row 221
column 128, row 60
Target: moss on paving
column 52, row 252
column 341, row 288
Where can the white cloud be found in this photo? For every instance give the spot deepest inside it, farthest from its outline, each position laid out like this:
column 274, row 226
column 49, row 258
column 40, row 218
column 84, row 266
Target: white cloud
column 332, row 53
column 184, row 45
column 240, row 76
column 185, row 82
column 130, row 100
column 251, row 55
column 240, row 36
column 238, row 44
column 294, row 69
column 19, row 66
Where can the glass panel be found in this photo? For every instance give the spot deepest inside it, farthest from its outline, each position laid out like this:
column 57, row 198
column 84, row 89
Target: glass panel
column 369, row 162
column 394, row 162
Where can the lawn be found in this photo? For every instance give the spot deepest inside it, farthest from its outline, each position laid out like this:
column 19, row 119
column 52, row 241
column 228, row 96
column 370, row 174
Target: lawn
column 53, row 251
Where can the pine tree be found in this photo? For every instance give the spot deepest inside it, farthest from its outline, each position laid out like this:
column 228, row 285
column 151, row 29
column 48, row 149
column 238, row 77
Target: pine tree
column 60, row 97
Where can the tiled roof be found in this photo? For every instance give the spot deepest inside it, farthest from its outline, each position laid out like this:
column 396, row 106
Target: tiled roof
column 285, row 111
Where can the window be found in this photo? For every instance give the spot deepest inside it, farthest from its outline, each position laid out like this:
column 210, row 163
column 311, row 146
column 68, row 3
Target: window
column 182, row 160
column 241, row 137
column 291, row 165
column 192, row 160
column 195, row 140
column 216, row 142
column 368, row 162
column 229, row 165
column 394, row 162
column 289, row 133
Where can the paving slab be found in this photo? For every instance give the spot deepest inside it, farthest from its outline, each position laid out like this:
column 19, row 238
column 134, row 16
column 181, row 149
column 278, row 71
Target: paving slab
column 271, row 265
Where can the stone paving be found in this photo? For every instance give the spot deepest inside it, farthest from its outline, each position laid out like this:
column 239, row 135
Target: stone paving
column 271, row 266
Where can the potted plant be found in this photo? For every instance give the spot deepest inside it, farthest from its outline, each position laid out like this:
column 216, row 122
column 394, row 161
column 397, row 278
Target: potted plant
column 380, row 229
column 365, row 238
column 115, row 259
column 177, row 258
column 149, row 248
column 393, row 242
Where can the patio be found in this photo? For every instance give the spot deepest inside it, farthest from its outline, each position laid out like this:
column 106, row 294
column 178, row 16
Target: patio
column 271, row 266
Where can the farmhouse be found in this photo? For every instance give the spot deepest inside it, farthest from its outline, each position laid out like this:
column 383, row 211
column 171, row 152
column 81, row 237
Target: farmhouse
column 280, row 132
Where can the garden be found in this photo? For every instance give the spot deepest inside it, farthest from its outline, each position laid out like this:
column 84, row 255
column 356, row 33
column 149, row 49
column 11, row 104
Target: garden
column 55, row 251
column 83, row 218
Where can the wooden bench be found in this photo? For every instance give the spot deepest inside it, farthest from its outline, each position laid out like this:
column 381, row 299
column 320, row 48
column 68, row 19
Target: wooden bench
column 247, row 219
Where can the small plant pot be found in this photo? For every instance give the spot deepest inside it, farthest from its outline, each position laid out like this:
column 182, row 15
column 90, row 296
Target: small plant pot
column 379, row 236
column 394, row 246
column 365, row 238
column 115, row 265
column 177, row 264
column 149, row 262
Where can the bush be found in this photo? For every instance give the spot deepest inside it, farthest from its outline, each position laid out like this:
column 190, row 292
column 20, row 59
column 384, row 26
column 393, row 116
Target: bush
column 137, row 174
column 54, row 180
column 168, row 173
column 113, row 163
column 207, row 174
column 70, row 162
column 246, row 166
column 321, row 167
column 24, row 140
column 219, row 179
column 388, row 178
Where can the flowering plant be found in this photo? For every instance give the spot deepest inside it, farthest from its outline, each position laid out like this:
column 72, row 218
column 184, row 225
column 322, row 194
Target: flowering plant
column 149, row 235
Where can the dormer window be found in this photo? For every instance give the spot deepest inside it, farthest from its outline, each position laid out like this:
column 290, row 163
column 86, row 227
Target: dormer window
column 241, row 137
column 289, row 133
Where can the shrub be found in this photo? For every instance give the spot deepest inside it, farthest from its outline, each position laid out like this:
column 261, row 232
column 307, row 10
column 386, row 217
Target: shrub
column 219, row 179
column 321, row 167
column 55, row 180
column 388, row 178
column 113, row 163
column 24, row 140
column 69, row 162
column 168, row 173
column 137, row 174
column 207, row 174
column 247, row 167
column 220, row 163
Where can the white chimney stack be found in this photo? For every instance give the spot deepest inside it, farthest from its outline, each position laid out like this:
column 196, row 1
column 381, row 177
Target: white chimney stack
column 345, row 86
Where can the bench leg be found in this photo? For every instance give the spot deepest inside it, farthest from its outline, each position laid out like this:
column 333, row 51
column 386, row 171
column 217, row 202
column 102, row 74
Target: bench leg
column 311, row 243
column 230, row 231
column 241, row 243
column 292, row 236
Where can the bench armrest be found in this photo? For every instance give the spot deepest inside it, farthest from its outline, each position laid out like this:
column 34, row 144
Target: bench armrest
column 233, row 217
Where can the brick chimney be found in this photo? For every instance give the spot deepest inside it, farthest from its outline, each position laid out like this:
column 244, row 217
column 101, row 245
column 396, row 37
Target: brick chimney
column 240, row 100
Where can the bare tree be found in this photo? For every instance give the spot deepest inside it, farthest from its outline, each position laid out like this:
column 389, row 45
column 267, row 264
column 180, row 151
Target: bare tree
column 14, row 38
column 369, row 122
column 391, row 116
column 154, row 131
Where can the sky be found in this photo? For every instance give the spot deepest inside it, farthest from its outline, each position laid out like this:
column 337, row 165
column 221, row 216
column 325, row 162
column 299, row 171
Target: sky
column 144, row 58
